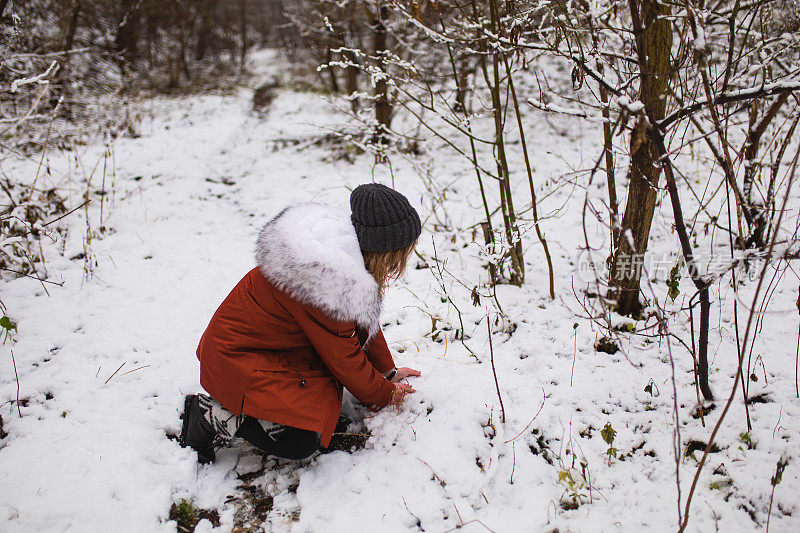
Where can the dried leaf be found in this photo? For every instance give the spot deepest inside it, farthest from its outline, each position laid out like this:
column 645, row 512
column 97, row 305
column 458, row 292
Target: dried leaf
column 639, row 134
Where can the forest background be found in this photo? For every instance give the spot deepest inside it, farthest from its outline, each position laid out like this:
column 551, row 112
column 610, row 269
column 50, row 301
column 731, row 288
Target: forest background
column 608, row 187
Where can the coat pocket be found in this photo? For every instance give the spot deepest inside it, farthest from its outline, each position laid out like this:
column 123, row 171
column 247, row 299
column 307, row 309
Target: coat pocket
column 282, row 371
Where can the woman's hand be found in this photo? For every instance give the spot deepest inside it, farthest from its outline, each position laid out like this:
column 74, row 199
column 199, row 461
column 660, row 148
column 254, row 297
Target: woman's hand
column 399, row 392
column 405, row 372
column 401, row 389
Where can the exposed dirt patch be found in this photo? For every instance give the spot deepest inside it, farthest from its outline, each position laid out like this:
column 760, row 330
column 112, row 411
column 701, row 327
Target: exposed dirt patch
column 540, row 447
column 347, row 442
column 698, row 445
column 759, row 398
column 702, row 411
column 252, row 506
column 606, row 345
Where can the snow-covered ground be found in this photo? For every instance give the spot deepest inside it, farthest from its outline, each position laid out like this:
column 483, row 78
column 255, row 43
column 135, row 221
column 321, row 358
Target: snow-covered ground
column 104, row 361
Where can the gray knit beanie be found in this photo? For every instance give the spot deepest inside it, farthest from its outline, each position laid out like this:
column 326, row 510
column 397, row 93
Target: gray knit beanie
column 383, row 218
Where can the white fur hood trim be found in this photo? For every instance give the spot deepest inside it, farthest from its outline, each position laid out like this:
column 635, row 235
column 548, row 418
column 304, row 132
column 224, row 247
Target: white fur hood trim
column 311, row 251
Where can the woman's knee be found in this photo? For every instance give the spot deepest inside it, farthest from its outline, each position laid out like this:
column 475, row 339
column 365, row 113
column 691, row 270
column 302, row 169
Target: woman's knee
column 280, row 441
column 300, row 444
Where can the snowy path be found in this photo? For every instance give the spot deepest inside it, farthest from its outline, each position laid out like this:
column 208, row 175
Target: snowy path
column 103, row 363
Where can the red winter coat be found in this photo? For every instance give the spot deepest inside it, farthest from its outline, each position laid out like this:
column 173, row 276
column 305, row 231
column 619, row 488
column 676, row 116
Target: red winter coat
column 292, row 332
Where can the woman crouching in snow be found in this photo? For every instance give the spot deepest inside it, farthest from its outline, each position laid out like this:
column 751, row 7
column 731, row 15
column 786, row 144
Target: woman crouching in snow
column 301, row 325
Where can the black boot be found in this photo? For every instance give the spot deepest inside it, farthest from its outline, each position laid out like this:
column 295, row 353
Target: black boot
column 197, row 432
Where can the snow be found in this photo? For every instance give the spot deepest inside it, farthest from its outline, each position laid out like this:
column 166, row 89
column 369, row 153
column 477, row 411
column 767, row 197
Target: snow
column 631, row 107
column 104, row 362
column 546, row 106
column 699, row 44
column 38, row 79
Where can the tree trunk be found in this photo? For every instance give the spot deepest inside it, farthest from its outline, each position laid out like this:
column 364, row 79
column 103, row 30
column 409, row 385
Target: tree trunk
column 152, row 38
column 351, row 77
column 69, row 34
column 645, row 169
column 264, row 25
column 757, row 208
column 462, row 82
column 383, row 107
column 184, row 64
column 506, row 199
column 62, row 76
column 653, row 112
column 335, row 89
column 242, row 35
column 205, row 29
column 128, row 31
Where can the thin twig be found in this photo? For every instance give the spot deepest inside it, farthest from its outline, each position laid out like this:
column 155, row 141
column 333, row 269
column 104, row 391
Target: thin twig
column 66, row 214
column 797, row 354
column 544, row 398
column 114, row 374
column 529, row 171
column 513, row 462
column 494, row 372
column 19, row 411
column 20, row 273
column 129, row 371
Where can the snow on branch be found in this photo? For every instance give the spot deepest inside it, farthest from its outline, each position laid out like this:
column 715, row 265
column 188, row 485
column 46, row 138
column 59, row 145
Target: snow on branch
column 40, row 78
column 733, row 96
column 430, row 32
column 557, row 109
column 632, row 107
